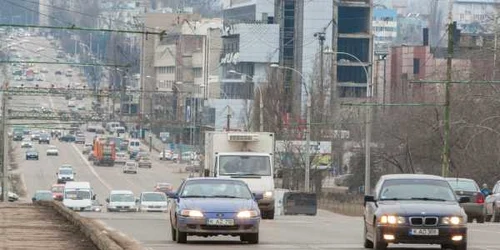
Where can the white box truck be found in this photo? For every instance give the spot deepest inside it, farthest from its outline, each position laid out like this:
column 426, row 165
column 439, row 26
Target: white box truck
column 248, row 156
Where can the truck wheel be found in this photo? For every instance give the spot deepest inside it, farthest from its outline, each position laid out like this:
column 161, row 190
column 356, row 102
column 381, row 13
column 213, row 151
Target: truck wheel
column 270, row 214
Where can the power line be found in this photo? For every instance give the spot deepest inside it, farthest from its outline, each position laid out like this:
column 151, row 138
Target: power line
column 73, row 27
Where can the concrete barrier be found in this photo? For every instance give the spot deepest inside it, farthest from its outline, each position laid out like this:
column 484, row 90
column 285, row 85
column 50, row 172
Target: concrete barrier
column 101, row 237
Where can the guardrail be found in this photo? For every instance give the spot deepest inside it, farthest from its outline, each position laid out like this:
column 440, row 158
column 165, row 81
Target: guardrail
column 102, row 238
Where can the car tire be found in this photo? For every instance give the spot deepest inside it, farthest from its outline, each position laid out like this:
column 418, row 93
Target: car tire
column 181, row 237
column 173, row 233
column 462, row 246
column 480, row 219
column 367, row 243
column 252, row 238
column 378, row 244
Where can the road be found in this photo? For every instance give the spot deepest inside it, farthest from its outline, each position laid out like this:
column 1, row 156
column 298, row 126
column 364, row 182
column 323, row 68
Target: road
column 324, row 231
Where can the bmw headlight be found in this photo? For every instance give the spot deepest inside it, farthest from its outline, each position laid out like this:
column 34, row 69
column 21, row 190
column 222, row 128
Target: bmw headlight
column 268, row 194
column 392, row 220
column 452, row 220
column 191, row 213
column 247, row 214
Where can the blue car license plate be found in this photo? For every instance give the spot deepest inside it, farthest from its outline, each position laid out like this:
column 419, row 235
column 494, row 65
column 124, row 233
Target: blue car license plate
column 220, row 222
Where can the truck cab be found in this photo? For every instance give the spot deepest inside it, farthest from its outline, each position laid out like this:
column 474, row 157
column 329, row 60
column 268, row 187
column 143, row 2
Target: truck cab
column 245, row 156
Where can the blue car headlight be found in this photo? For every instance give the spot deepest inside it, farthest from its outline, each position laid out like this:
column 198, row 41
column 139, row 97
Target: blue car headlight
column 247, row 214
column 191, row 213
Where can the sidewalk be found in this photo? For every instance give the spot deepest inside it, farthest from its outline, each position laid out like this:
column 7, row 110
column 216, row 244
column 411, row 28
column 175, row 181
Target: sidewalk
column 25, row 226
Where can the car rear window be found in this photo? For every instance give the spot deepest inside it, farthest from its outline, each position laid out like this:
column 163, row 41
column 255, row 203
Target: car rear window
column 464, row 185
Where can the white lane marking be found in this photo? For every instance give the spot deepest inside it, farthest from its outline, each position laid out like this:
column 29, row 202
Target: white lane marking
column 87, row 164
column 92, row 170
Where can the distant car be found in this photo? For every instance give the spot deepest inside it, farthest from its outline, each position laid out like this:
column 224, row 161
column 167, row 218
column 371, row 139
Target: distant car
column 96, row 206
column 32, row 154
column 121, row 201
column 153, row 202
column 164, row 187
column 67, row 138
column 492, row 203
column 42, row 195
column 52, row 150
column 57, row 191
column 130, row 167
column 475, row 209
column 80, row 139
column 144, row 161
column 65, row 174
column 196, row 210
column 18, row 136
column 121, row 158
column 35, row 136
column 44, row 138
column 165, row 155
column 26, row 144
column 10, row 195
column 87, row 147
column 58, row 72
column 414, row 209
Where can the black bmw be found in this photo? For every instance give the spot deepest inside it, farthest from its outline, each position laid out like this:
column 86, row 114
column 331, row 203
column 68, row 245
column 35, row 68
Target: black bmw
column 414, row 209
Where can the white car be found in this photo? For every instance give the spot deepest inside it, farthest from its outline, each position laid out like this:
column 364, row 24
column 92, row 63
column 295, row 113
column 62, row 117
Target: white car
column 121, row 158
column 165, row 155
column 121, row 201
column 130, row 167
column 52, row 150
column 153, row 202
column 26, row 144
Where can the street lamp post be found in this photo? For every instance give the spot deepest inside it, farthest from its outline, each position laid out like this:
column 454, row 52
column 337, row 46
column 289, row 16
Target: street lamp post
column 308, row 126
column 368, row 125
column 261, row 103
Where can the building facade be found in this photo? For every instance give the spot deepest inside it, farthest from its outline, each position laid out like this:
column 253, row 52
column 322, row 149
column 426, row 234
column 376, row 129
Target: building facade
column 475, row 16
column 385, row 29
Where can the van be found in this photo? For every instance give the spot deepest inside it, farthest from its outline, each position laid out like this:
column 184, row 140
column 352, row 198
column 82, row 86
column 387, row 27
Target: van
column 134, row 146
column 120, row 130
column 111, row 126
column 78, row 196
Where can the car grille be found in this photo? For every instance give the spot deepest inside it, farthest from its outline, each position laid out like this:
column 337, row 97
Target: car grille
column 123, row 207
column 424, row 221
column 154, row 206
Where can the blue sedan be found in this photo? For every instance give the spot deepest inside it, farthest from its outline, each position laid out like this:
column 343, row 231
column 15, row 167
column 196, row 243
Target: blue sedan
column 211, row 207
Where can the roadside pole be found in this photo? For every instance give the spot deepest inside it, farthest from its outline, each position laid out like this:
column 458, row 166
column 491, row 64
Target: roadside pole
column 4, row 146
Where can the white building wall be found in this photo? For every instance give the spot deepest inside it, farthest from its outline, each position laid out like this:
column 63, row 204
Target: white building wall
column 480, row 11
column 258, row 42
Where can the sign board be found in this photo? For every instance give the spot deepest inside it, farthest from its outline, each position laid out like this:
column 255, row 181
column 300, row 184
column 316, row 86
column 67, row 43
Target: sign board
column 230, row 58
column 164, row 135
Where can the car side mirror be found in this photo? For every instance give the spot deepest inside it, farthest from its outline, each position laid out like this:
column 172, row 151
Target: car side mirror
column 463, row 200
column 137, row 200
column 369, row 198
column 33, row 199
column 172, row 195
column 107, row 200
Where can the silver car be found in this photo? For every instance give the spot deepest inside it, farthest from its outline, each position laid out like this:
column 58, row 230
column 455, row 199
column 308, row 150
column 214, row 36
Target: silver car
column 130, row 167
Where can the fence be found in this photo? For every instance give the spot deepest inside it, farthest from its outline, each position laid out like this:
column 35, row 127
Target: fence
column 341, row 203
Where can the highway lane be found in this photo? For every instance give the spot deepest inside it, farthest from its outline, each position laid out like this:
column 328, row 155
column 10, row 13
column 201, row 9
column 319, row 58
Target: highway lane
column 325, row 231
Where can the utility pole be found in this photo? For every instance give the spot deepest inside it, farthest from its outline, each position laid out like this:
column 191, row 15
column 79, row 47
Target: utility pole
column 335, row 151
column 446, row 147
column 495, row 49
column 4, row 147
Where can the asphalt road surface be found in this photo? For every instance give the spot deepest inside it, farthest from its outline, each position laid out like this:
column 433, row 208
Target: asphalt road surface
column 324, row 231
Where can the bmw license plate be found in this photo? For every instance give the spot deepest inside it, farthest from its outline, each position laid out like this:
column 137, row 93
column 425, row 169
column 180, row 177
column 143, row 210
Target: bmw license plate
column 424, row 232
column 220, row 222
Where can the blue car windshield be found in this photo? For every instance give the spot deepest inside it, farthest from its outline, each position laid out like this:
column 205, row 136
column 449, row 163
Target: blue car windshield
column 416, row 189
column 222, row 189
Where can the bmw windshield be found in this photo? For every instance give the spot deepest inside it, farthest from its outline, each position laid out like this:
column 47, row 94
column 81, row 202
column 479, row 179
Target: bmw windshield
column 416, row 189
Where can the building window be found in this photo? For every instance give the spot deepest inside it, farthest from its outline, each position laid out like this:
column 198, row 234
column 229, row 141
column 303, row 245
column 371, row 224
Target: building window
column 166, row 70
column 416, row 66
column 197, row 72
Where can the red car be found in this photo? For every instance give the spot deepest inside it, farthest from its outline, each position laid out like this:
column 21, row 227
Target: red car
column 57, row 191
column 164, row 187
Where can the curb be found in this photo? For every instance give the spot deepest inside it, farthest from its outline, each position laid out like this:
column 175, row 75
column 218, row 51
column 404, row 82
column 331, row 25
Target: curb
column 102, row 238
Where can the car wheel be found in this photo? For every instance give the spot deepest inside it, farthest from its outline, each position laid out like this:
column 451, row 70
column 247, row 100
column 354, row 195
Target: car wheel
column 470, row 219
column 462, row 246
column 367, row 243
column 172, row 233
column 480, row 219
column 496, row 215
column 250, row 238
column 378, row 244
column 181, row 237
